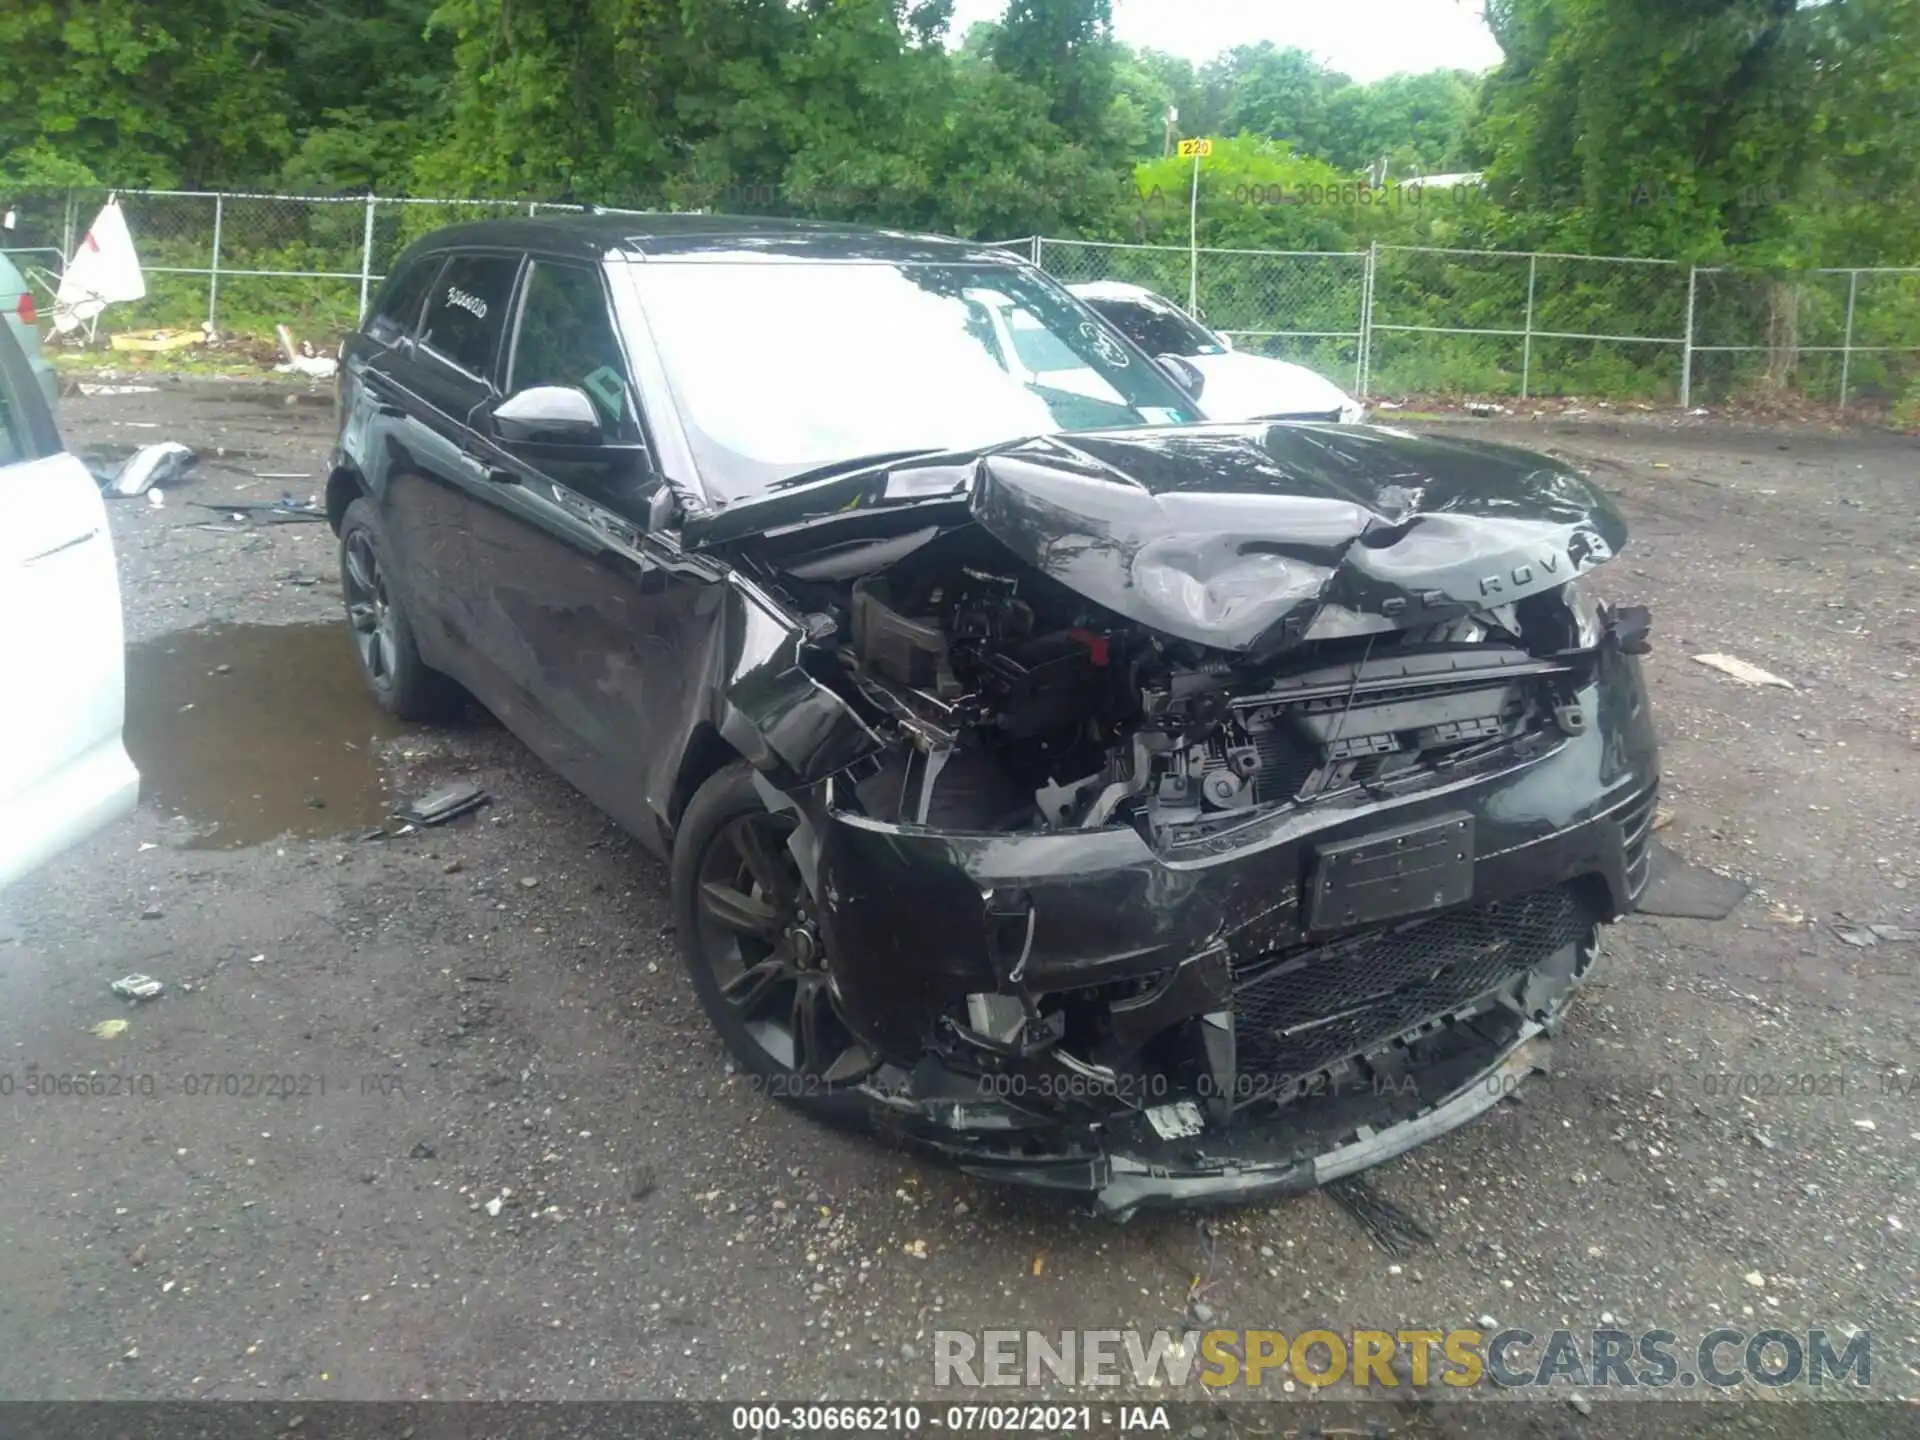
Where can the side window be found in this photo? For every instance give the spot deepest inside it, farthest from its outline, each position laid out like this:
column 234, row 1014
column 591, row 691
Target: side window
column 467, row 309
column 566, row 337
column 397, row 309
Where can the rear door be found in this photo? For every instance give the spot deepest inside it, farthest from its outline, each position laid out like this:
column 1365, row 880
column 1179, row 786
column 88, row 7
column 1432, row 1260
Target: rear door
column 63, row 769
column 439, row 377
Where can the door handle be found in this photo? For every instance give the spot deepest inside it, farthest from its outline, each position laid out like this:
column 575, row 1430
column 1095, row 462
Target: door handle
column 499, row 475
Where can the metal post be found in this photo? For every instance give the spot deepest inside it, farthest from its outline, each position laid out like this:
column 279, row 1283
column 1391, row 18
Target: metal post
column 1686, row 346
column 1038, row 251
column 1363, row 377
column 213, row 268
column 66, row 239
column 1193, row 244
column 1526, row 349
column 366, row 257
column 533, row 208
column 1846, row 346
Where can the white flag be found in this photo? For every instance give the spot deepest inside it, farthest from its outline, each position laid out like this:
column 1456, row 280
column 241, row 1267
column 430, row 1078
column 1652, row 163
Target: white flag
column 103, row 271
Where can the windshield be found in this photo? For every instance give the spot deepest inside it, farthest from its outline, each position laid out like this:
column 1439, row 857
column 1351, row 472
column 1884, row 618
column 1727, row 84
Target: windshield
column 1159, row 327
column 781, row 367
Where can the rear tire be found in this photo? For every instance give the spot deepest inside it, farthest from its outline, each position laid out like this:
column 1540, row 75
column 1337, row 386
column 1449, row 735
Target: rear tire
column 747, row 932
column 403, row 684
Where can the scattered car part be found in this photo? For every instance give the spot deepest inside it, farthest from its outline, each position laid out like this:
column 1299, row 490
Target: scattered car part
column 166, row 463
column 437, row 807
column 1742, row 670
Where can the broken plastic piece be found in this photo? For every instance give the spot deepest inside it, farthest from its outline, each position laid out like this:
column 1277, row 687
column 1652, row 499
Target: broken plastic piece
column 437, row 807
column 166, row 463
column 138, row 987
column 1740, row 670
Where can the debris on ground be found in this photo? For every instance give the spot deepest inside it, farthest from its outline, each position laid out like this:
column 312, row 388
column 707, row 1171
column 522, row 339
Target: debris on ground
column 1741, row 670
column 284, row 511
column 103, row 270
column 314, row 367
column 166, row 463
column 1482, row 410
column 437, row 807
column 1393, row 1229
column 107, row 1029
column 1682, row 890
column 1864, row 936
column 89, row 390
column 158, row 341
column 137, row 987
column 299, row 359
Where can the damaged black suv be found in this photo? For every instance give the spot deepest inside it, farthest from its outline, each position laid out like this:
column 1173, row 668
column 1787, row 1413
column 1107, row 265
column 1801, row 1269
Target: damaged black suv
column 1154, row 811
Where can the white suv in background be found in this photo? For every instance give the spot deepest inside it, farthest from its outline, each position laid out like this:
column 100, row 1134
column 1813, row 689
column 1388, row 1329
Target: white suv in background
column 63, row 769
column 1236, row 386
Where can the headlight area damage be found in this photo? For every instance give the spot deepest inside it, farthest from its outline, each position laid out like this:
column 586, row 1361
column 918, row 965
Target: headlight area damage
column 1210, row 813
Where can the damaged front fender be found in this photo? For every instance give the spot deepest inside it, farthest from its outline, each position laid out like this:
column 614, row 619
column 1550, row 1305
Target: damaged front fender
column 777, row 714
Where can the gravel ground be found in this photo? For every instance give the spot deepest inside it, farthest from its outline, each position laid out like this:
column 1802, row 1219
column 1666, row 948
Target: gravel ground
column 496, row 1013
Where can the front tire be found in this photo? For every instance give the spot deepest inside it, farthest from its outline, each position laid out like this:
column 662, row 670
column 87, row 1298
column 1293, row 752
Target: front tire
column 404, row 684
column 748, row 934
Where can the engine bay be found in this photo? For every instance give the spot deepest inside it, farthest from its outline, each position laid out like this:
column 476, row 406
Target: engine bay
column 1023, row 706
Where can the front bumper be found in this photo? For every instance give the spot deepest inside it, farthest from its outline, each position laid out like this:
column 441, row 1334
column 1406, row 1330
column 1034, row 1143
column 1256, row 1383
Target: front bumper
column 1206, row 1080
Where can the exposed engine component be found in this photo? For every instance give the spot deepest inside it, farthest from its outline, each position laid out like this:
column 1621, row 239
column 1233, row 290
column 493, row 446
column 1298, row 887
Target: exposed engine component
column 1093, row 719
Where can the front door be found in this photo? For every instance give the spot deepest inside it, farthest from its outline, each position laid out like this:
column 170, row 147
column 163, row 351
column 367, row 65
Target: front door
column 587, row 615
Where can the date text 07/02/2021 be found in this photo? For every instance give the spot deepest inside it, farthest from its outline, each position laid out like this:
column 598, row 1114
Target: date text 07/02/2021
column 915, row 1420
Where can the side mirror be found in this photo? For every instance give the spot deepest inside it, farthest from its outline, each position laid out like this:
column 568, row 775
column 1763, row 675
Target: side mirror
column 1185, row 374
column 547, row 414
column 1226, row 340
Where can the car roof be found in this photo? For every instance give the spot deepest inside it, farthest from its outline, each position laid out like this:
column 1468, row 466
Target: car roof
column 640, row 236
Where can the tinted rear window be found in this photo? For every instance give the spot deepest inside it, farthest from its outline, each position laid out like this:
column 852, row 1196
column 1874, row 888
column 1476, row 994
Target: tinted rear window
column 397, row 310
column 467, row 311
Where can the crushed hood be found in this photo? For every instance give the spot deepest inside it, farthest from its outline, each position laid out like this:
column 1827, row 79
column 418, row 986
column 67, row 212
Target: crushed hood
column 1245, row 537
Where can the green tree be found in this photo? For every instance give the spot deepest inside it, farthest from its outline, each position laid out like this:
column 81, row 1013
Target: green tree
column 180, row 93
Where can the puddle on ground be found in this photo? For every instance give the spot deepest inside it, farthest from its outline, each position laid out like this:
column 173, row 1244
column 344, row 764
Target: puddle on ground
column 281, row 742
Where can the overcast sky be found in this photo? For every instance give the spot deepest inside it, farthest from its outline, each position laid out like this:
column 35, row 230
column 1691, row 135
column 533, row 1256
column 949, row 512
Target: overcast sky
column 1365, row 38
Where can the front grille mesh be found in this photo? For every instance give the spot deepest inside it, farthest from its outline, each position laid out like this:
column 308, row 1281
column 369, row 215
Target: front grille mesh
column 1311, row 1010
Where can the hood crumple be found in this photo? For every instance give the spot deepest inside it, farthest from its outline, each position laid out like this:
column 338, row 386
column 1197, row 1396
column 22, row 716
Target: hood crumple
column 1245, row 537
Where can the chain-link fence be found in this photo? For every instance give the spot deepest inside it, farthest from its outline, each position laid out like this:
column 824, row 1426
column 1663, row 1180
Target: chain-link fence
column 1500, row 323
column 244, row 262
column 1387, row 320
column 1844, row 336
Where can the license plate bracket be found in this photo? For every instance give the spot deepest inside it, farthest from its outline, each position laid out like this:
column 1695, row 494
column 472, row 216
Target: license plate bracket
column 1405, row 871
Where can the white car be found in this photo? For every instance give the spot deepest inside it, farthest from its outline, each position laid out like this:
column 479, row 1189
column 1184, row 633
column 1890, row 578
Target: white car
column 1234, row 386
column 64, row 771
